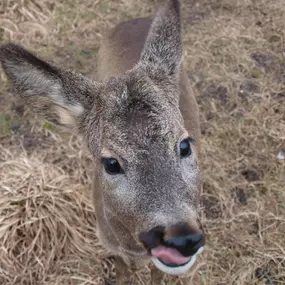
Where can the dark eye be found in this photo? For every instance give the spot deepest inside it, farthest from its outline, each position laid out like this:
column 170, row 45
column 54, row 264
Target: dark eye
column 112, row 166
column 185, row 148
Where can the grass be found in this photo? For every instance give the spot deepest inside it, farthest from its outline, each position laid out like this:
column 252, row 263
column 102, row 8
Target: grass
column 7, row 123
column 234, row 52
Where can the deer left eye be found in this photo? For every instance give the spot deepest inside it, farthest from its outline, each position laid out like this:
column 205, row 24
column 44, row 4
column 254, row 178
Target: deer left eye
column 185, row 148
column 112, row 166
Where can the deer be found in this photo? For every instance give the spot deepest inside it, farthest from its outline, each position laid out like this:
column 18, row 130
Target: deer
column 140, row 122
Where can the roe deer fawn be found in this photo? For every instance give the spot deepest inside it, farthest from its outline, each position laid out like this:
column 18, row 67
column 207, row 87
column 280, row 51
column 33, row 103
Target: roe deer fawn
column 140, row 122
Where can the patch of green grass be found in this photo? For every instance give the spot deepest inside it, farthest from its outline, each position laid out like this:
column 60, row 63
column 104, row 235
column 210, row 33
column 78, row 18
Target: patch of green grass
column 204, row 277
column 48, row 126
column 241, row 122
column 256, row 74
column 89, row 15
column 107, row 10
column 128, row 15
column 1, row 34
column 80, row 52
column 8, row 123
column 89, row 53
column 274, row 38
column 71, row 47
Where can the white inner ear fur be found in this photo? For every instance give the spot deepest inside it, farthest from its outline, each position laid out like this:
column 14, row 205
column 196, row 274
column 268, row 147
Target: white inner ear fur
column 67, row 112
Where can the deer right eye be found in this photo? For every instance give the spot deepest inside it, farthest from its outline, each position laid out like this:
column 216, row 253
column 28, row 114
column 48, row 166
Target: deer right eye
column 112, row 166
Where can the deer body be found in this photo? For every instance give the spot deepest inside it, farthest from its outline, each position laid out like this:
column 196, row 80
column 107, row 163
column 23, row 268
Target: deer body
column 140, row 122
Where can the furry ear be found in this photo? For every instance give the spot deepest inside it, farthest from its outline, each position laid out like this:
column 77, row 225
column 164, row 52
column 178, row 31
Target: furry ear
column 163, row 45
column 61, row 96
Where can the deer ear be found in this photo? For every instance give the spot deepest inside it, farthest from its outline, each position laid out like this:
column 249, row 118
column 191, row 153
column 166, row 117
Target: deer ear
column 61, row 96
column 163, row 45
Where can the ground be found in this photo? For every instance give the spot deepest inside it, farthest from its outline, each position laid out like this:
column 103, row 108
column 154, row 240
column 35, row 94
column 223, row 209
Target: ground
column 234, row 52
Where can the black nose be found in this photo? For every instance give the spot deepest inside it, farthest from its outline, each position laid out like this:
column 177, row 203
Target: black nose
column 182, row 237
column 186, row 245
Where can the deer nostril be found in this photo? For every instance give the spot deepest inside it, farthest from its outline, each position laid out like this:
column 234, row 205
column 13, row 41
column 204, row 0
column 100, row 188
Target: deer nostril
column 186, row 245
column 152, row 238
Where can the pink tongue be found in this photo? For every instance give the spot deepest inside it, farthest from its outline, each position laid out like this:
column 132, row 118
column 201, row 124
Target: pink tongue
column 169, row 255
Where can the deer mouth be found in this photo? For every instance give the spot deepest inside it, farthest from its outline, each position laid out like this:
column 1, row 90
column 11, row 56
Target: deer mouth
column 169, row 256
column 171, row 261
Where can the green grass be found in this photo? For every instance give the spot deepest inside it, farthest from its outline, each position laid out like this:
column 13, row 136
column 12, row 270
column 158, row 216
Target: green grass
column 7, row 123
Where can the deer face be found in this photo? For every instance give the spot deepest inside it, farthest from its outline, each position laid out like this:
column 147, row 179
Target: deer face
column 147, row 170
column 146, row 163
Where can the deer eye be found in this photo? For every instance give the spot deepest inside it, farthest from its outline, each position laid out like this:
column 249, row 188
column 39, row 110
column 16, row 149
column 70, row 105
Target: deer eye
column 112, row 166
column 185, row 147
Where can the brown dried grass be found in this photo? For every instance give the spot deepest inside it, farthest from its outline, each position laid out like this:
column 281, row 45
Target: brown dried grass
column 234, row 51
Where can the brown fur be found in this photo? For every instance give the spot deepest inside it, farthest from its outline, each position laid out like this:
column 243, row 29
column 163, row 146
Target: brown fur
column 139, row 110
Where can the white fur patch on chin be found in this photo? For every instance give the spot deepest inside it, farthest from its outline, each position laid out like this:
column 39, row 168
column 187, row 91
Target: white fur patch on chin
column 179, row 269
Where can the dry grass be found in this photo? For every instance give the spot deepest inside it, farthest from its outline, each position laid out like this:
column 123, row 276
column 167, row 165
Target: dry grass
column 235, row 54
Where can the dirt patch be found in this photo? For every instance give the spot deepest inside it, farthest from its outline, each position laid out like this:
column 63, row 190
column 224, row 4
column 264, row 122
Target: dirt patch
column 271, row 64
column 266, row 60
column 239, row 196
column 250, row 175
column 280, row 97
column 212, row 207
column 268, row 272
column 247, row 88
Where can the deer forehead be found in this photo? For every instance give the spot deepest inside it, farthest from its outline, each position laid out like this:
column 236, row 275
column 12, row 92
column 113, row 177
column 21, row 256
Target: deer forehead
column 141, row 127
column 137, row 113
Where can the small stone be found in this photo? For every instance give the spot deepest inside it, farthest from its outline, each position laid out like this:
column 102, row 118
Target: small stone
column 281, row 155
column 250, row 175
column 259, row 273
column 16, row 126
column 86, row 51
